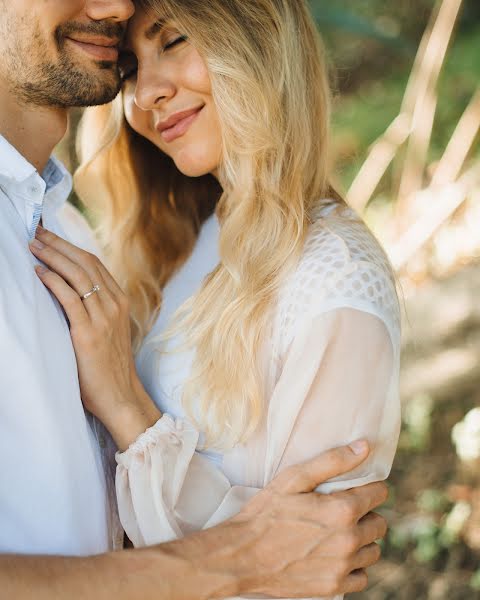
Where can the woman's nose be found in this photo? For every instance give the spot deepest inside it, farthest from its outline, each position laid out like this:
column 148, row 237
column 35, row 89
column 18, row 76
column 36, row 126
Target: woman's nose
column 152, row 91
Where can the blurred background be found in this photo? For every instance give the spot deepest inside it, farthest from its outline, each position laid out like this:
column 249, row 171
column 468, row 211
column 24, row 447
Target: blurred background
column 406, row 133
column 406, row 130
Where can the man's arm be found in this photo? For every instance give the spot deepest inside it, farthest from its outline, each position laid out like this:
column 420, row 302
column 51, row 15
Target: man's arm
column 287, row 541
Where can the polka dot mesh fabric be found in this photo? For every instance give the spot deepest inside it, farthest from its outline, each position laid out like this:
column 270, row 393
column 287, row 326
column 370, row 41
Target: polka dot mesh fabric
column 342, row 266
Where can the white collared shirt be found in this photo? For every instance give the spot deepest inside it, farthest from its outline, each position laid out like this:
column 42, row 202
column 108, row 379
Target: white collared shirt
column 53, row 490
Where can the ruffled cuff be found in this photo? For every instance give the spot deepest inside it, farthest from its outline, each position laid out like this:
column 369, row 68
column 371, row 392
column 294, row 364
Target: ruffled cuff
column 149, row 479
column 166, row 431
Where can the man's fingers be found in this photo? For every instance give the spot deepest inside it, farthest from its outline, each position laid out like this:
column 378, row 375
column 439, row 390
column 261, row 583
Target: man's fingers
column 365, row 498
column 305, row 477
column 356, row 582
column 367, row 556
column 371, row 528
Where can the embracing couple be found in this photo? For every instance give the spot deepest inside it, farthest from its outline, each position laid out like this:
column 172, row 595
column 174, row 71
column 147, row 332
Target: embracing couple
column 217, row 373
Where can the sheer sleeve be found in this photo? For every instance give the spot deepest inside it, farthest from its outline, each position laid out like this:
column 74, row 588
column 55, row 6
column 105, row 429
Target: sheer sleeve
column 165, row 489
column 349, row 378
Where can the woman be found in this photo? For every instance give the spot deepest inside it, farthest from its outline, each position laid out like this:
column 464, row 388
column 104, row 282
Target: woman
column 264, row 312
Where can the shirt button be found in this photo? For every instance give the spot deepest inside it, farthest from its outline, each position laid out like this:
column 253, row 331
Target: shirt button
column 34, row 189
column 101, row 441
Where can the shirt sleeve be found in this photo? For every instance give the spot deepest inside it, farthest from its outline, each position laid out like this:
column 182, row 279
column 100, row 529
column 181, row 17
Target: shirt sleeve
column 347, row 365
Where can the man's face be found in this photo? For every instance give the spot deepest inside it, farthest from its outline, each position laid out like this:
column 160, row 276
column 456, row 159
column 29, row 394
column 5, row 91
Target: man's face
column 62, row 53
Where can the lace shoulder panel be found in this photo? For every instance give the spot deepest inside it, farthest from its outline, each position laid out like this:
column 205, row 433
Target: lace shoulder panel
column 342, row 266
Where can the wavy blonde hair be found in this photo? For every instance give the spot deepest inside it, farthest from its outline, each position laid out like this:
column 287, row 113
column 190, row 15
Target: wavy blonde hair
column 271, row 90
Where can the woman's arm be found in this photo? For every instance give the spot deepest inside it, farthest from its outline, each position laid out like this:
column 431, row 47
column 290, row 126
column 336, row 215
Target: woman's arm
column 101, row 336
column 349, row 377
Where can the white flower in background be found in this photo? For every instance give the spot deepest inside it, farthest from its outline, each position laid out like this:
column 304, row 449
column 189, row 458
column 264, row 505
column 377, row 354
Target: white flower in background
column 457, row 519
column 466, row 436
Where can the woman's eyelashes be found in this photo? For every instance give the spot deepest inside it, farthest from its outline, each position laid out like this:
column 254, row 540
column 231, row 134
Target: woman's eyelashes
column 178, row 40
column 128, row 63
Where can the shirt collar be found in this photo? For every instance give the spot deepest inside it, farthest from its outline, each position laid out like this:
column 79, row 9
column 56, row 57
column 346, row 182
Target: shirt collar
column 27, row 190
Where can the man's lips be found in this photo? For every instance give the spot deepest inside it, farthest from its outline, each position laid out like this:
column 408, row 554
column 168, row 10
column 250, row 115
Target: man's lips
column 99, row 47
column 178, row 124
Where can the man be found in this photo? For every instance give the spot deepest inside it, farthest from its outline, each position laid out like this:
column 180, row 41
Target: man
column 57, row 524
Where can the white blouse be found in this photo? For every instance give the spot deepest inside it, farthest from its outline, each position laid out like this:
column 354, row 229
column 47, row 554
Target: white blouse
column 331, row 367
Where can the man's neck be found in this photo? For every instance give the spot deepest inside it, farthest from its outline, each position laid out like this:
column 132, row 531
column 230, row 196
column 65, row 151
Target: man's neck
column 33, row 131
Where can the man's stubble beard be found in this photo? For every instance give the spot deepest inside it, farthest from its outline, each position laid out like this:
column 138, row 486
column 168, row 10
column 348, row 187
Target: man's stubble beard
column 60, row 84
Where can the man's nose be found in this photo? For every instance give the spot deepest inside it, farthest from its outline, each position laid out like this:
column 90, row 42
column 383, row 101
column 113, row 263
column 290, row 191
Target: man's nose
column 113, row 10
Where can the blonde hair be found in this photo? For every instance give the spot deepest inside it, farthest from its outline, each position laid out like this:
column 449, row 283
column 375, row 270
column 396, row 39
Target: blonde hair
column 270, row 87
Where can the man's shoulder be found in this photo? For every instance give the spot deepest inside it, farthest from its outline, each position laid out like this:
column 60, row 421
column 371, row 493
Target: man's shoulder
column 77, row 229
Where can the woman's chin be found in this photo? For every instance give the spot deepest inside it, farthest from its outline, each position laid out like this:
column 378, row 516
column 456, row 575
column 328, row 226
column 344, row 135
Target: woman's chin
column 194, row 168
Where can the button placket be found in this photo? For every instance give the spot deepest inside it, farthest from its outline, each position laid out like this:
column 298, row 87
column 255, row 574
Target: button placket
column 35, row 193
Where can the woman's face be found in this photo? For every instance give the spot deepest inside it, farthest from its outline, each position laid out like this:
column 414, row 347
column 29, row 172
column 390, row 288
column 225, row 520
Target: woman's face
column 168, row 96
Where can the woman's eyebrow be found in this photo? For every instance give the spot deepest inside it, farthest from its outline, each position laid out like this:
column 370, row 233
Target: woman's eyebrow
column 155, row 29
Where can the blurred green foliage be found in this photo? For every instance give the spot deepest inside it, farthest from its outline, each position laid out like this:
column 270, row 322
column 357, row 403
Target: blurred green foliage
column 362, row 115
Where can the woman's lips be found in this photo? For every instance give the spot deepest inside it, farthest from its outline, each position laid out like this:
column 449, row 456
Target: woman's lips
column 98, row 51
column 180, row 128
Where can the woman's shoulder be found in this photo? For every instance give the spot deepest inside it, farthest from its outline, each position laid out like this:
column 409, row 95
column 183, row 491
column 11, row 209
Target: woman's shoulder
column 338, row 244
column 342, row 265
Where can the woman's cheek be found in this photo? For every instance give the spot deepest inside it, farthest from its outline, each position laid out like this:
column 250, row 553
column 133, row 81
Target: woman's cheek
column 196, row 76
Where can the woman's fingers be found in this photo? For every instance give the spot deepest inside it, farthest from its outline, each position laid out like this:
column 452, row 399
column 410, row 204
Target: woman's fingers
column 89, row 262
column 68, row 298
column 111, row 296
column 73, row 274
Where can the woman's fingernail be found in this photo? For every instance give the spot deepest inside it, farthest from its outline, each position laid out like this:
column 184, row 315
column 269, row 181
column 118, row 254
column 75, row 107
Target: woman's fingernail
column 40, row 269
column 359, row 447
column 37, row 244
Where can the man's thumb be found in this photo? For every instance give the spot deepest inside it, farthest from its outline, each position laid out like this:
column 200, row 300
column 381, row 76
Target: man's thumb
column 307, row 476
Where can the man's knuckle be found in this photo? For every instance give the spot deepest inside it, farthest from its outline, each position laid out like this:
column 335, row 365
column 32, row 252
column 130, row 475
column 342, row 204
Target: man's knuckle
column 336, row 585
column 378, row 492
column 343, row 567
column 386, row 492
column 346, row 511
column 351, row 542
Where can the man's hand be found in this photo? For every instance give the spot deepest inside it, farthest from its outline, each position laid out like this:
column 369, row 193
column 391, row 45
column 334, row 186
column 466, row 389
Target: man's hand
column 287, row 542
column 309, row 544
column 319, row 544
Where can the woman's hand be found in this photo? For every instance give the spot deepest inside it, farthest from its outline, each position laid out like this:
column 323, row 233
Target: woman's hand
column 100, row 330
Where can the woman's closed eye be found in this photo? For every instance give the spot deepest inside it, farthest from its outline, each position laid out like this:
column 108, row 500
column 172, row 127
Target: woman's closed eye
column 175, row 42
